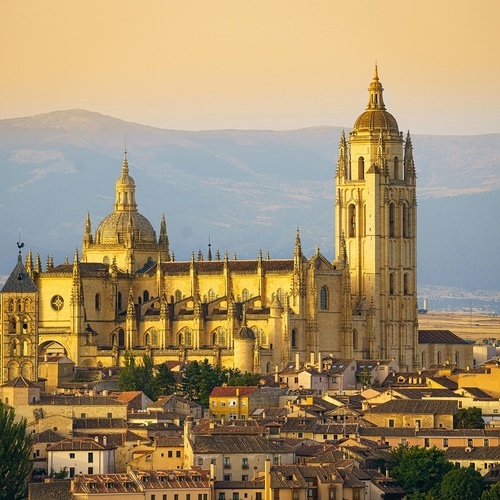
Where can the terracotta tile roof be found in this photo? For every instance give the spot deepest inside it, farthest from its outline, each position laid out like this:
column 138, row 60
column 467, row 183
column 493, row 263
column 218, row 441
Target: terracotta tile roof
column 296, row 476
column 473, row 453
column 413, row 406
column 475, row 392
column 99, row 423
column 230, row 391
column 238, row 444
column 173, row 479
column 439, row 337
column 47, row 436
column 63, row 400
column 126, row 396
column 78, row 444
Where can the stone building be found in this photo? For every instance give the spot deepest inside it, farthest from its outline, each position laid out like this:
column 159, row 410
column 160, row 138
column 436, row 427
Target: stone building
column 126, row 291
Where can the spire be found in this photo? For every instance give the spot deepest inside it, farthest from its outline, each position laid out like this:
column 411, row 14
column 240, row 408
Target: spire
column 87, row 235
column 209, row 254
column 297, row 253
column 38, row 264
column 125, row 189
column 409, row 164
column 163, row 239
column 343, row 161
column 29, row 263
column 375, row 93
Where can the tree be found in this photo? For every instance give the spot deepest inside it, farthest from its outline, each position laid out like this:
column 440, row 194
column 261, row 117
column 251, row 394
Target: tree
column 492, row 494
column 418, row 470
column 165, row 382
column 15, row 455
column 135, row 377
column 461, row 484
column 235, row 378
column 199, row 379
column 469, row 418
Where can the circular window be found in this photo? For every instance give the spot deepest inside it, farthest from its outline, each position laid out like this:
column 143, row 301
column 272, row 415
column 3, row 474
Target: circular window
column 57, row 302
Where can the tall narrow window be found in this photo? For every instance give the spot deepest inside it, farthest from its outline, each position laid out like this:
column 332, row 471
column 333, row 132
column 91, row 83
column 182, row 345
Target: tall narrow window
column 178, row 295
column 244, row 295
column 281, row 295
column 145, row 295
column 392, row 220
column 97, row 301
column 119, row 301
column 355, row 339
column 406, row 221
column 121, row 338
column 396, row 168
column 361, row 168
column 323, row 298
column 351, row 216
column 211, row 295
column 294, row 338
column 392, row 280
column 406, row 284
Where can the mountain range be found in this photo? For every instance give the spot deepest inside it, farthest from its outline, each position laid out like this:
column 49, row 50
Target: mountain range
column 244, row 190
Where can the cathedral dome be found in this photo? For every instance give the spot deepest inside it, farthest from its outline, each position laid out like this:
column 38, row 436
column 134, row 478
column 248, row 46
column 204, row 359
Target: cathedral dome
column 116, row 227
column 125, row 223
column 376, row 117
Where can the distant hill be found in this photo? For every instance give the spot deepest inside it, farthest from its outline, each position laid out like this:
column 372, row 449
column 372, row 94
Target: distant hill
column 246, row 190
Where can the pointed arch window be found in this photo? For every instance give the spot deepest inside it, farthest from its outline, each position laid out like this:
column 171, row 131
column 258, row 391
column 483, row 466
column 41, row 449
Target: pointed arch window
column 361, row 168
column 145, row 296
column 185, row 337
column 396, row 168
column 294, row 337
column 351, row 216
column 211, row 295
column 121, row 338
column 178, row 295
column 281, row 295
column 323, row 298
column 406, row 284
column 392, row 220
column 245, row 295
column 406, row 221
column 392, row 283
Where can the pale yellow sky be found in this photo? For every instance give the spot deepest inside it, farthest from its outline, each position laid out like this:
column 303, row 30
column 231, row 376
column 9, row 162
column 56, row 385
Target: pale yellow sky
column 275, row 64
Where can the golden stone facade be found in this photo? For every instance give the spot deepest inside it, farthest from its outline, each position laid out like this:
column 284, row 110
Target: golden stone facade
column 126, row 291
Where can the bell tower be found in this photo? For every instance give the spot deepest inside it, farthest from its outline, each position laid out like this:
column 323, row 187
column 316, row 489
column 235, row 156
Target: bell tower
column 376, row 214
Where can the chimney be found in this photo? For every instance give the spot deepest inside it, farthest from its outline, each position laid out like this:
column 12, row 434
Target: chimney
column 320, row 363
column 212, row 471
column 387, row 473
column 312, row 359
column 267, row 479
column 297, row 361
column 276, row 374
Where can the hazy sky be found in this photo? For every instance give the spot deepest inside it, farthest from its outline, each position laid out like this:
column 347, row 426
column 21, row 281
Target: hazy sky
column 274, row 64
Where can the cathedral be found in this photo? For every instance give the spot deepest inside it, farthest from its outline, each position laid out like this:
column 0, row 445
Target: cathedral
column 126, row 292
